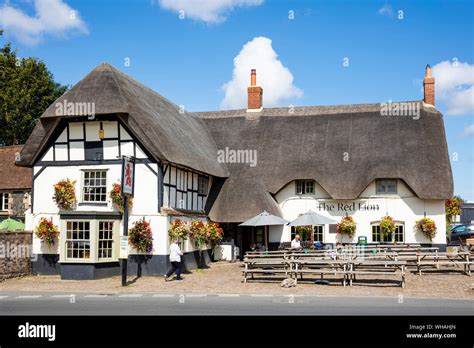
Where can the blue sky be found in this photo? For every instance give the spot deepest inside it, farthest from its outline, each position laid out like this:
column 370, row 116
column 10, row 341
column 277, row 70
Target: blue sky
column 190, row 60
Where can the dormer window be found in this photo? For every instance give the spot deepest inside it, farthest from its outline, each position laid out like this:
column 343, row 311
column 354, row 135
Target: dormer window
column 203, row 185
column 304, row 187
column 386, row 186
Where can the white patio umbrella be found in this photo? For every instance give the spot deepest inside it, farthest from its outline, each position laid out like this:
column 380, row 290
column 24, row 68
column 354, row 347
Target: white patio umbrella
column 311, row 218
column 264, row 219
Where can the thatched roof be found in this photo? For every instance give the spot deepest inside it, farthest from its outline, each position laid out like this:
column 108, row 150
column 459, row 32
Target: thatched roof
column 310, row 143
column 167, row 133
column 13, row 177
column 291, row 143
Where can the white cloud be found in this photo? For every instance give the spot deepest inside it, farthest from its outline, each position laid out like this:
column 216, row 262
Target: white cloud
column 51, row 17
column 386, row 10
column 275, row 79
column 454, row 86
column 469, row 130
column 210, row 11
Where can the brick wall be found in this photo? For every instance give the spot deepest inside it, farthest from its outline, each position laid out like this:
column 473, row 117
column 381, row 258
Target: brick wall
column 15, row 252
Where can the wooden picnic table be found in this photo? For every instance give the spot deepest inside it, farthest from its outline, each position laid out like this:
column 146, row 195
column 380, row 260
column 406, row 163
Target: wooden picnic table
column 376, row 267
column 437, row 259
column 268, row 266
column 319, row 266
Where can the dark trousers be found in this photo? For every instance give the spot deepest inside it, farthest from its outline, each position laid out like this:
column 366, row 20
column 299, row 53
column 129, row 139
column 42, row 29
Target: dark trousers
column 175, row 267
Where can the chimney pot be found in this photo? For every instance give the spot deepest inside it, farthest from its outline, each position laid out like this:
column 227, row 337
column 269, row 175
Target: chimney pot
column 254, row 93
column 253, row 77
column 429, row 87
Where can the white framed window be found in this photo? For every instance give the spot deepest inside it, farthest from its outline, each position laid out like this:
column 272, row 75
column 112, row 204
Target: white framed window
column 106, row 240
column 94, row 186
column 78, row 243
column 89, row 241
column 398, row 236
column 304, row 187
column 318, row 233
column 4, row 201
column 386, row 186
column 203, row 183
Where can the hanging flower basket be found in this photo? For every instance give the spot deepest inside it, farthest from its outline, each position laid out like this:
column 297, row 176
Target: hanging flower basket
column 347, row 226
column 427, row 227
column 179, row 229
column 47, row 231
column 140, row 236
column 198, row 233
column 387, row 226
column 453, row 208
column 65, row 194
column 117, row 199
column 215, row 233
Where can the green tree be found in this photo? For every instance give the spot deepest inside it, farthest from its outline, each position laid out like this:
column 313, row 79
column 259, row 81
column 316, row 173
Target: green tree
column 27, row 88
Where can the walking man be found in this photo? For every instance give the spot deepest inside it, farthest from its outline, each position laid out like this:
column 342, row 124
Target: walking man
column 175, row 259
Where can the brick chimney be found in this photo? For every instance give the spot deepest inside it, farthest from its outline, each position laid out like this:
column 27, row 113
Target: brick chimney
column 428, row 86
column 254, row 93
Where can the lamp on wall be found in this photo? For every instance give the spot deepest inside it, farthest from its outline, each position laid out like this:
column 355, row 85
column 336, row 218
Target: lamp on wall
column 101, row 134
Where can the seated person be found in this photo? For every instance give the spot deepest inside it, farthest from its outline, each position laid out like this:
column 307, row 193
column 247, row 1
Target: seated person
column 296, row 243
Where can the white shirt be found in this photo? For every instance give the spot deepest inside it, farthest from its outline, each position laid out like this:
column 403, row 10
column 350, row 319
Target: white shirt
column 295, row 244
column 175, row 253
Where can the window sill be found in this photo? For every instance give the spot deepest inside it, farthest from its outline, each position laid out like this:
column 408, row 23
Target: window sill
column 94, row 204
column 88, row 261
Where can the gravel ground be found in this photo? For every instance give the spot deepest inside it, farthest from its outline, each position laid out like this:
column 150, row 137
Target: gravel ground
column 225, row 278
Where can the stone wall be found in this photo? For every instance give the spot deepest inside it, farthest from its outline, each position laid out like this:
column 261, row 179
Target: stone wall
column 15, row 254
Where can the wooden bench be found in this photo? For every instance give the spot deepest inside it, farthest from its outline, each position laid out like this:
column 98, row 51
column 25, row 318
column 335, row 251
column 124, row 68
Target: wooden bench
column 435, row 260
column 319, row 267
column 266, row 267
column 376, row 267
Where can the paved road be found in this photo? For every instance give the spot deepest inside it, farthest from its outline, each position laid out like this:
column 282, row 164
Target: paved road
column 23, row 303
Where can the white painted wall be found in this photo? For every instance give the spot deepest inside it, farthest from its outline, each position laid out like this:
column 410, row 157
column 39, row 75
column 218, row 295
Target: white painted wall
column 145, row 201
column 404, row 207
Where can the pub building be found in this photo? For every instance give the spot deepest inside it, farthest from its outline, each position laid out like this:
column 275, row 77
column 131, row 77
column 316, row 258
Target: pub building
column 357, row 160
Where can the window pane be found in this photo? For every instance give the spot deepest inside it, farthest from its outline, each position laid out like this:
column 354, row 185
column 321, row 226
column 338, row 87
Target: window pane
column 95, row 186
column 105, row 239
column 77, row 240
column 310, row 186
column 299, row 187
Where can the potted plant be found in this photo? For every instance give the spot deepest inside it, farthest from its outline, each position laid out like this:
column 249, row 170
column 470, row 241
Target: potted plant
column 387, row 226
column 427, row 227
column 47, row 231
column 65, row 194
column 347, row 226
column 140, row 236
column 117, row 199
